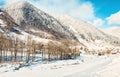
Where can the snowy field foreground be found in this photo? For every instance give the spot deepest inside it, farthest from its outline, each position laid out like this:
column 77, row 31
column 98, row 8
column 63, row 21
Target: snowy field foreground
column 85, row 66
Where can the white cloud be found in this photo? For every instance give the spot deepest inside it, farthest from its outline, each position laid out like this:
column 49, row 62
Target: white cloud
column 114, row 19
column 84, row 11
column 98, row 22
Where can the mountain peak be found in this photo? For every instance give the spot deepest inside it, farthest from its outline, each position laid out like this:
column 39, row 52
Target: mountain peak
column 25, row 3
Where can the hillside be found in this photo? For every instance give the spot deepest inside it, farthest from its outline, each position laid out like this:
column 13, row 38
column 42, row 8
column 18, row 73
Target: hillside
column 115, row 31
column 87, row 33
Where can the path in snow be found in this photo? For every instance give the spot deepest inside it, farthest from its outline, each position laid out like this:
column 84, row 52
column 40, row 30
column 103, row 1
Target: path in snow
column 90, row 69
column 65, row 68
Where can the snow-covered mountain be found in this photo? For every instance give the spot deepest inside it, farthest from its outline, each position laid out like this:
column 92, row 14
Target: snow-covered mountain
column 87, row 33
column 36, row 22
column 27, row 20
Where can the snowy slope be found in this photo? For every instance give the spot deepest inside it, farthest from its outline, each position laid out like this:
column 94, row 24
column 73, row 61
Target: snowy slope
column 115, row 31
column 87, row 33
column 85, row 30
column 10, row 28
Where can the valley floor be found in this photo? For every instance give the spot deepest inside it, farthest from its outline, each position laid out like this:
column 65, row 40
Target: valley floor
column 84, row 66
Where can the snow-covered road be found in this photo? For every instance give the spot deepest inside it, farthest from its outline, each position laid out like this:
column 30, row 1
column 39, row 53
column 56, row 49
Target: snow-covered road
column 90, row 69
column 89, row 66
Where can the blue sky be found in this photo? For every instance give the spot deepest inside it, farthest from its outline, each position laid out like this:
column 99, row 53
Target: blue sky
column 100, row 13
column 105, row 8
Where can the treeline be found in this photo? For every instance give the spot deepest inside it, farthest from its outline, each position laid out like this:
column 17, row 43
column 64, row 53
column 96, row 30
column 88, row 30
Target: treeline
column 18, row 51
